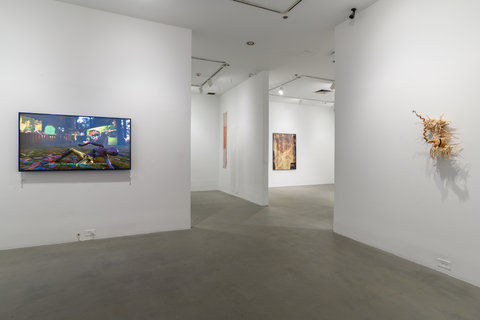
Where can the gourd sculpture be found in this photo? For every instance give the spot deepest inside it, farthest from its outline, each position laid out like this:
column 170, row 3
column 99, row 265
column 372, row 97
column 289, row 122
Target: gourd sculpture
column 435, row 132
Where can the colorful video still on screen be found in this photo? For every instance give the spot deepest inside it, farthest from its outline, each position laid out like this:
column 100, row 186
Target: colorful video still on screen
column 49, row 142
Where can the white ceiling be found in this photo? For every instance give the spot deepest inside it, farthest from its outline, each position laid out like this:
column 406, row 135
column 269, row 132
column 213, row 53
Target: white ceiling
column 301, row 44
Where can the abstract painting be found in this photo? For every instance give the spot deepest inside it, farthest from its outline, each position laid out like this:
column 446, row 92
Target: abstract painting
column 284, row 151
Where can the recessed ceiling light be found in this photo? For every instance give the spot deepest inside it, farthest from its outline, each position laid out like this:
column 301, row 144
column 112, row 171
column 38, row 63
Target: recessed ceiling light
column 280, row 91
column 250, row 43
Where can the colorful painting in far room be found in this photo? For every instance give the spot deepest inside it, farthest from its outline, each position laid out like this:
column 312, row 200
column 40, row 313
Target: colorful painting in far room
column 284, row 151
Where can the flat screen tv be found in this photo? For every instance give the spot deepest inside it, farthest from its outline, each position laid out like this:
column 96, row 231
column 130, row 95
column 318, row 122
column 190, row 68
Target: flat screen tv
column 53, row 142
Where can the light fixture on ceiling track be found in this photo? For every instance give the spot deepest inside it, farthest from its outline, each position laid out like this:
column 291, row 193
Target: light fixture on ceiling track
column 209, row 81
column 281, row 87
column 354, row 12
column 284, row 13
column 332, row 57
column 299, row 76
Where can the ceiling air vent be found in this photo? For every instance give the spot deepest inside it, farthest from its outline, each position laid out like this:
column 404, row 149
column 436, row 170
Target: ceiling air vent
column 211, row 93
column 323, row 91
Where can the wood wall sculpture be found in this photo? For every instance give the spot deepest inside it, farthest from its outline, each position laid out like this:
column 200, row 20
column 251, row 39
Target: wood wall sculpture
column 435, row 131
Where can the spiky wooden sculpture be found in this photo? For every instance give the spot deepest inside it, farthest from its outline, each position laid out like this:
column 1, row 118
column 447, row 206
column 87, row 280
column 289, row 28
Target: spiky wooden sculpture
column 435, row 132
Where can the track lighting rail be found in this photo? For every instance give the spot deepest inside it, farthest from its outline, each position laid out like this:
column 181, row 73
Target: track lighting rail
column 308, row 99
column 297, row 77
column 256, row 5
column 223, row 65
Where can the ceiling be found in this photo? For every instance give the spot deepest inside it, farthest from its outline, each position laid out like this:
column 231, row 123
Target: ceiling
column 301, row 44
column 303, row 89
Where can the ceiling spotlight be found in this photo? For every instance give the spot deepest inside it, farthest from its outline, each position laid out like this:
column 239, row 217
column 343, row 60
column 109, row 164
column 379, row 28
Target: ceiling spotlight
column 352, row 15
column 280, row 91
column 332, row 87
column 250, row 43
column 200, row 89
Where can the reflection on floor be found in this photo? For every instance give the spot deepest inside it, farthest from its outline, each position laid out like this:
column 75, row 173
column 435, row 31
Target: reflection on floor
column 240, row 261
column 294, row 207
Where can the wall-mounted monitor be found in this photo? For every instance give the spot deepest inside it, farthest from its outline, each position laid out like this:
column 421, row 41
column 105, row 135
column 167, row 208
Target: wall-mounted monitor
column 51, row 142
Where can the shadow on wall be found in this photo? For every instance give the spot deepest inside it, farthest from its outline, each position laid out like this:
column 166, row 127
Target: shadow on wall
column 76, row 177
column 450, row 175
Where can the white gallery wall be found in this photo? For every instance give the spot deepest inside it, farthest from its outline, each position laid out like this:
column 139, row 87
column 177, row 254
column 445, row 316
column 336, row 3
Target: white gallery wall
column 205, row 139
column 61, row 58
column 315, row 130
column 246, row 175
column 400, row 55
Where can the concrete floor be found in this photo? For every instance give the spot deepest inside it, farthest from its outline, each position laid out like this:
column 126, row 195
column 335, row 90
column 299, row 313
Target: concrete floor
column 240, row 261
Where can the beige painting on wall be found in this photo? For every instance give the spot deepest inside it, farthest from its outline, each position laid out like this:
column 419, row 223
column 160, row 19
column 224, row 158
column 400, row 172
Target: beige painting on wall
column 224, row 140
column 284, row 151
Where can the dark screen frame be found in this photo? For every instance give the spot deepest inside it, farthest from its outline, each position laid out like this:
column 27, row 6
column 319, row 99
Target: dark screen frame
column 71, row 115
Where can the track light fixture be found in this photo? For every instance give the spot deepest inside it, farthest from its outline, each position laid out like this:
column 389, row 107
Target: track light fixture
column 279, row 90
column 354, row 12
column 209, row 81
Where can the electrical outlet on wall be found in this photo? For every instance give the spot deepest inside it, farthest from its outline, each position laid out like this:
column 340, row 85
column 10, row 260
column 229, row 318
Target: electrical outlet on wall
column 444, row 264
column 88, row 234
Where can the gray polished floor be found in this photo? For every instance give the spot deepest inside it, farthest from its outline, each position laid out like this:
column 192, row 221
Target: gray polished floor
column 240, row 261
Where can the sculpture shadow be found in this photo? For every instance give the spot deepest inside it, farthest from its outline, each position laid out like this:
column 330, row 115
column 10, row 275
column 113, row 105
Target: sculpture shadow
column 450, row 175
